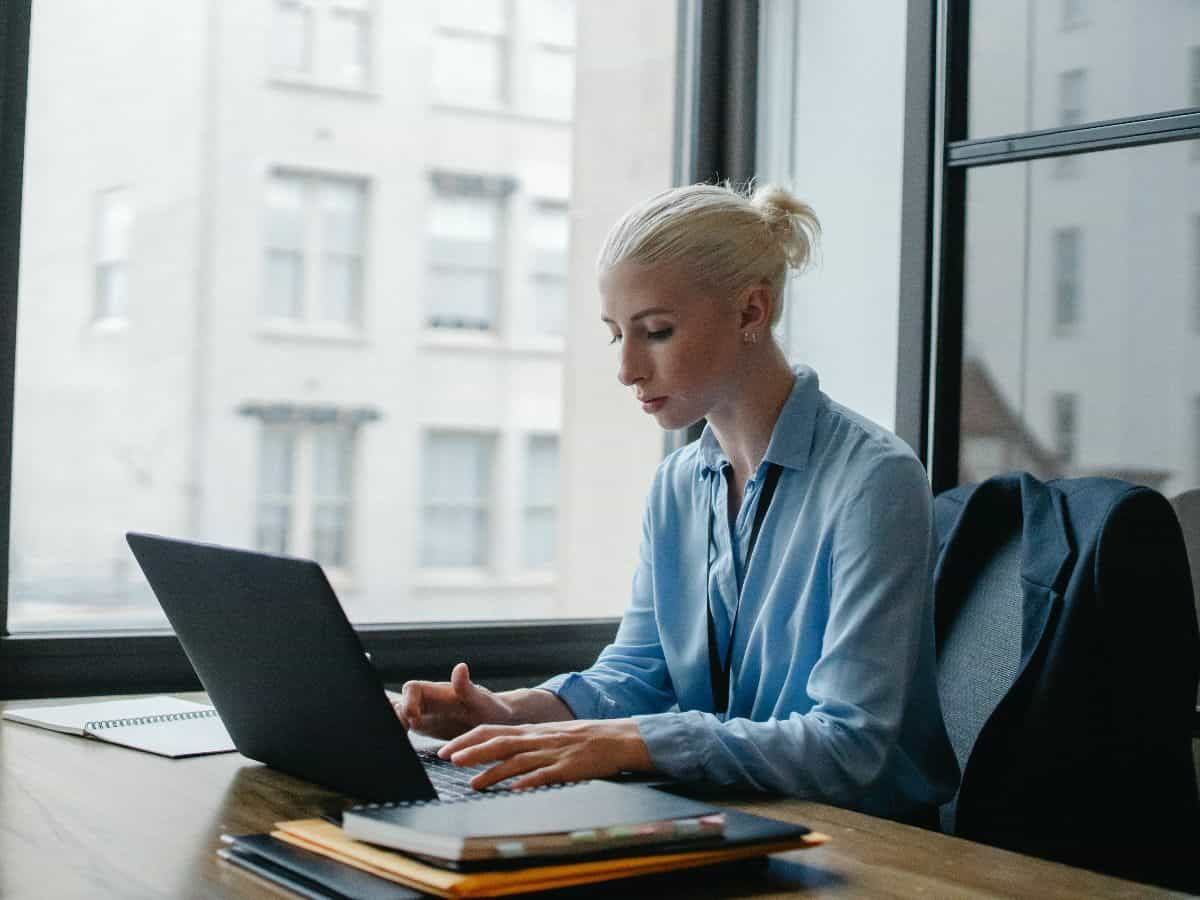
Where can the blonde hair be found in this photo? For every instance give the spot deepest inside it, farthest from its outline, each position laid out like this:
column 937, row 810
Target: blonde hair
column 725, row 238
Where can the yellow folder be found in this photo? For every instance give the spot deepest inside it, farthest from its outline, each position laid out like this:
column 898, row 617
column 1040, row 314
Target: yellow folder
column 327, row 839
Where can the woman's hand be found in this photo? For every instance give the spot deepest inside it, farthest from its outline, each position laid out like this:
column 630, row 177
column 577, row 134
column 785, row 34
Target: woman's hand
column 550, row 752
column 445, row 709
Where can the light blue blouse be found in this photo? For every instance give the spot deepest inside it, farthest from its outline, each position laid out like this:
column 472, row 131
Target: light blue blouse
column 832, row 689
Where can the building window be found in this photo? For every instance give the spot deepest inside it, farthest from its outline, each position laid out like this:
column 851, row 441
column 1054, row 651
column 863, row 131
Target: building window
column 548, row 240
column 114, row 222
column 304, row 491
column 1196, row 272
column 1194, row 91
column 471, row 52
column 314, row 249
column 466, row 224
column 1066, row 426
column 456, row 506
column 1074, row 14
column 325, row 41
column 1072, row 86
column 540, row 515
column 1067, row 268
column 292, row 37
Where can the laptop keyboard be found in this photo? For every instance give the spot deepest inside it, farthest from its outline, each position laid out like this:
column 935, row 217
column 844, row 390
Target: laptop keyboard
column 453, row 782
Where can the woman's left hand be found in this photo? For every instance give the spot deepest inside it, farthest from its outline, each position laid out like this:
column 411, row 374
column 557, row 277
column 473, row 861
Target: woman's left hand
column 550, row 752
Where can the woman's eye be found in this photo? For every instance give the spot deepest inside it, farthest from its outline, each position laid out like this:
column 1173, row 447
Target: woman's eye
column 661, row 335
column 615, row 339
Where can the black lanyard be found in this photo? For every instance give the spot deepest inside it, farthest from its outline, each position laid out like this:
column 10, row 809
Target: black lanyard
column 720, row 675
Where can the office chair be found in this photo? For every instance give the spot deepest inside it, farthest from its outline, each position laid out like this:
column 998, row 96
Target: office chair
column 1068, row 659
column 1187, row 509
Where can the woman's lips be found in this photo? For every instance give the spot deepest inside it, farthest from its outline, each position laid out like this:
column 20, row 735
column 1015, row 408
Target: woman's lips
column 653, row 405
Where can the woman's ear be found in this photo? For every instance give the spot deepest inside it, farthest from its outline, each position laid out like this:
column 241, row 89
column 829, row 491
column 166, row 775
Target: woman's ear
column 755, row 307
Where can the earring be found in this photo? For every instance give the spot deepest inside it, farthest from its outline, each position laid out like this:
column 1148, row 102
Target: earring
column 749, row 337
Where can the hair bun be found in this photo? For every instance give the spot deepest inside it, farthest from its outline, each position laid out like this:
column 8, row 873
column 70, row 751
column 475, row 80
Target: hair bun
column 792, row 221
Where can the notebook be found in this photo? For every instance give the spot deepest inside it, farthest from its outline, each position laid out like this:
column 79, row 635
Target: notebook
column 164, row 725
column 746, row 837
column 536, row 823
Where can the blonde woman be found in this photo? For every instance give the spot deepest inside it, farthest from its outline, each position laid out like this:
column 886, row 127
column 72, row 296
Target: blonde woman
column 779, row 635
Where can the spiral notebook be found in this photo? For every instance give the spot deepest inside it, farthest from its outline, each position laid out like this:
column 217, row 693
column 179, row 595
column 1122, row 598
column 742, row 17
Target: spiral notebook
column 164, row 725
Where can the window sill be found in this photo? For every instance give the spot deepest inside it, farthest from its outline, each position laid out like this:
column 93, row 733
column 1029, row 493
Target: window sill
column 317, row 85
column 111, row 325
column 490, row 342
column 500, row 111
column 482, row 580
column 304, row 331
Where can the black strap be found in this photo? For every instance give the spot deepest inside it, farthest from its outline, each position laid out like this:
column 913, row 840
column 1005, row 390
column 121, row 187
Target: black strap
column 718, row 674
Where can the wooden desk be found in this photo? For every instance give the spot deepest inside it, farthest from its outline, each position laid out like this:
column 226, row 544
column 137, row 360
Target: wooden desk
column 80, row 818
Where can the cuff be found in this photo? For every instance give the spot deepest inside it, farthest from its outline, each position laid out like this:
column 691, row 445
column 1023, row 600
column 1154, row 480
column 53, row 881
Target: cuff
column 673, row 741
column 583, row 699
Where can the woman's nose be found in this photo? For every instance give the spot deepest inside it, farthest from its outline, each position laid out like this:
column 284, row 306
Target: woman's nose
column 629, row 368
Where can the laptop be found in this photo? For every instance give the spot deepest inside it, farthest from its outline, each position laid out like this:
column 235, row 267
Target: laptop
column 287, row 673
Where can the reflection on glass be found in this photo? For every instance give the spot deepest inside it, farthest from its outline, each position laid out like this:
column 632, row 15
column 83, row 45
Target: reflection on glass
column 1036, row 64
column 1081, row 352
column 263, row 308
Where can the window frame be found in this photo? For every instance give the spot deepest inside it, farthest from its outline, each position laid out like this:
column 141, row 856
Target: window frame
column 932, row 410
column 33, row 665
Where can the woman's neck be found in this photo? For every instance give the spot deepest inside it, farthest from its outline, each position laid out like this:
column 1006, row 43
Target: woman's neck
column 743, row 425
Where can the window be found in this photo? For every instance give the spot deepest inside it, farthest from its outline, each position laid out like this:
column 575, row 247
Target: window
column 540, row 524
column 551, row 37
column 292, row 36
column 322, row 42
column 471, row 53
column 1195, row 285
column 548, row 238
column 466, row 223
column 1065, row 408
column 114, row 222
column 304, row 492
column 1074, row 14
column 1035, row 251
column 1066, row 279
column 1071, row 88
column 279, row 271
column 314, row 249
column 456, row 484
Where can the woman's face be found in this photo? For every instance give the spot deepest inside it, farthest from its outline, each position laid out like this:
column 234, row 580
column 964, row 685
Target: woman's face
column 677, row 346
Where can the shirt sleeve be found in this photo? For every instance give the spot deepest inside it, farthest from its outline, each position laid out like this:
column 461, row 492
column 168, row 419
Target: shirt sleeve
column 630, row 676
column 879, row 562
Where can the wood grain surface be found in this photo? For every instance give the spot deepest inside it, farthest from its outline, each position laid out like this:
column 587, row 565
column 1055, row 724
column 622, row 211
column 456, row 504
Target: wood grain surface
column 81, row 818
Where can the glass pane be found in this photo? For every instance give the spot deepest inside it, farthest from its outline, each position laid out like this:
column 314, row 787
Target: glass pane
column 1065, row 62
column 553, row 21
column 458, row 469
column 340, row 280
column 292, row 36
column 540, row 543
column 1080, row 353
column 285, row 212
column 332, row 448
column 462, row 298
column 329, row 534
column 453, row 538
column 309, row 207
column 284, row 289
column 348, row 40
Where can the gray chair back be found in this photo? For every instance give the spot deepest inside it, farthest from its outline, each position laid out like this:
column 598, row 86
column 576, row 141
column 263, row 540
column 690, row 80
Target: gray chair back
column 980, row 653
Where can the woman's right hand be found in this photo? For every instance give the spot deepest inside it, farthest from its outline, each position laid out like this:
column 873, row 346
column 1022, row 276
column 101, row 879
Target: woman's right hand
column 446, row 709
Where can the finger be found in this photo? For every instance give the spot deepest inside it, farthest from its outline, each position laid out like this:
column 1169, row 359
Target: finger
column 552, row 774
column 477, row 735
column 460, row 681
column 497, row 748
column 514, row 765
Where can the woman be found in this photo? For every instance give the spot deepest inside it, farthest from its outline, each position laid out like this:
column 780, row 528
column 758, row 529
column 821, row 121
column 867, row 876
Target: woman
column 805, row 527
